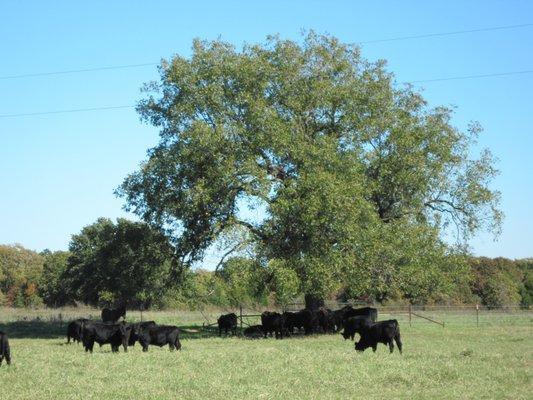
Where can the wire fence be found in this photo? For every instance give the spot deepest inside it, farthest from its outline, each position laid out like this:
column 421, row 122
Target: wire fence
column 413, row 315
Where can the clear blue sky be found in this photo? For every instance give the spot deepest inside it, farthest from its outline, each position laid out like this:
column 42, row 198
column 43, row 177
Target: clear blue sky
column 58, row 171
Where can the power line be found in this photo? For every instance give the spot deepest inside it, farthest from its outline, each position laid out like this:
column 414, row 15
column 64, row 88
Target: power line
column 75, row 71
column 133, row 106
column 64, row 111
column 454, row 78
column 115, row 67
column 428, row 35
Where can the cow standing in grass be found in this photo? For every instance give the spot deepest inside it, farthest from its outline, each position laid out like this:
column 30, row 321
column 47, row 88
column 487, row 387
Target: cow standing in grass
column 227, row 322
column 5, row 351
column 386, row 332
column 159, row 335
column 134, row 335
column 74, row 329
column 273, row 322
column 113, row 314
column 102, row 333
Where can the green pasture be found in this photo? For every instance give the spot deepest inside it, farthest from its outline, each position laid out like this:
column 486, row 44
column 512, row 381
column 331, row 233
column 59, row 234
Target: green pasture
column 461, row 360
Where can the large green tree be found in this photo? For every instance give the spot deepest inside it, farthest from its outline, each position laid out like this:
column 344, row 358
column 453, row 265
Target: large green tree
column 343, row 161
column 127, row 262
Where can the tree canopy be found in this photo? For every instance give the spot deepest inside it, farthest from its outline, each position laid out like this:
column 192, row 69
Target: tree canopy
column 127, row 262
column 358, row 177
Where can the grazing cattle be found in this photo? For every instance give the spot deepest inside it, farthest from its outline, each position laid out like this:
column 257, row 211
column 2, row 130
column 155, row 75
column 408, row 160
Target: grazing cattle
column 369, row 312
column 385, row 332
column 291, row 321
column 4, row 349
column 227, row 322
column 310, row 321
column 160, row 335
column 134, row 336
column 325, row 319
column 273, row 322
column 353, row 325
column 253, row 331
column 74, row 330
column 114, row 334
column 113, row 314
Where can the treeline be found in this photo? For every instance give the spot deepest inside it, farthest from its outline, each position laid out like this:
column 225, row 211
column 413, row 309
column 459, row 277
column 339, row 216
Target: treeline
column 108, row 263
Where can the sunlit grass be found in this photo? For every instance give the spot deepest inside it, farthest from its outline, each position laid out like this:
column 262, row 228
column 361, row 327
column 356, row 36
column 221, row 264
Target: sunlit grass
column 462, row 360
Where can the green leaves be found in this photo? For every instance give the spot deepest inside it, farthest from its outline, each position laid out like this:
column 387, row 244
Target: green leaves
column 342, row 159
column 123, row 262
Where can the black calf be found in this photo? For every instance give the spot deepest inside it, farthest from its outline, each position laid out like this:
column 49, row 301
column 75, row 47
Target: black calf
column 160, row 335
column 227, row 322
column 114, row 334
column 113, row 314
column 74, row 330
column 385, row 332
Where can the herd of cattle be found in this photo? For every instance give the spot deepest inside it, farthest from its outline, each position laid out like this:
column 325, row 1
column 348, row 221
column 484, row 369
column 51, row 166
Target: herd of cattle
column 351, row 320
column 348, row 319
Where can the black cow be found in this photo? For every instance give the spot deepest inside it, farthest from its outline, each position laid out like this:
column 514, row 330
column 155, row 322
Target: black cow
column 310, row 321
column 273, row 322
column 4, row 349
column 292, row 321
column 353, row 325
column 113, row 314
column 74, row 329
column 101, row 333
column 160, row 335
column 134, row 336
column 325, row 319
column 227, row 322
column 253, row 331
column 385, row 332
column 369, row 312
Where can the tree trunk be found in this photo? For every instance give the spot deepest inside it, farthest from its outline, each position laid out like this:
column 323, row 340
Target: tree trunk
column 313, row 303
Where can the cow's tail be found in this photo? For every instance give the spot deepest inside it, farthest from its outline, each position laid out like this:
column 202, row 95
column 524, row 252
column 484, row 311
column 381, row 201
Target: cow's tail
column 397, row 337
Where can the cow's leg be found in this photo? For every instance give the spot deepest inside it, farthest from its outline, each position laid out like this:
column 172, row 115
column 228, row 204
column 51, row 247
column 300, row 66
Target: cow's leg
column 391, row 346
column 219, row 331
column 398, row 342
column 145, row 347
column 374, row 347
column 1, row 358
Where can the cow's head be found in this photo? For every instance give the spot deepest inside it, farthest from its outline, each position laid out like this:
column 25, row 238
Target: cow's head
column 361, row 346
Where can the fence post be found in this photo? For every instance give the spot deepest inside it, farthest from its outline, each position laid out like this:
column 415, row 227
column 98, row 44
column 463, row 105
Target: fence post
column 477, row 314
column 240, row 310
column 409, row 314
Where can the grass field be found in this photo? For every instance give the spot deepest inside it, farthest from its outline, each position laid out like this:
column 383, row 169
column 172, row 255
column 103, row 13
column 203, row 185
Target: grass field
column 461, row 360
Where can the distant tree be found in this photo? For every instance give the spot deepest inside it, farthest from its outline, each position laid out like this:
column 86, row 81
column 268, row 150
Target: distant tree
column 53, row 286
column 340, row 157
column 20, row 273
column 497, row 281
column 127, row 262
